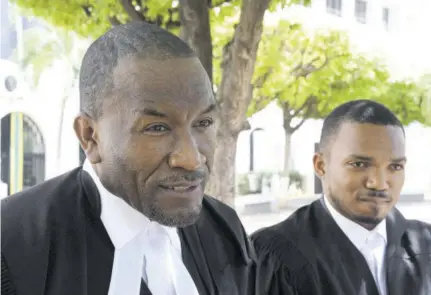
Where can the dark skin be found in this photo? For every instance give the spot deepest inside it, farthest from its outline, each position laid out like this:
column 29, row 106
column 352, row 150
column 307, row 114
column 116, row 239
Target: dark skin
column 362, row 171
column 153, row 145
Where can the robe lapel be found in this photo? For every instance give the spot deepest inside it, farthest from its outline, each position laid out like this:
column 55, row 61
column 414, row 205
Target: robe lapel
column 144, row 289
column 195, row 260
column 209, row 251
column 100, row 250
column 344, row 259
column 401, row 267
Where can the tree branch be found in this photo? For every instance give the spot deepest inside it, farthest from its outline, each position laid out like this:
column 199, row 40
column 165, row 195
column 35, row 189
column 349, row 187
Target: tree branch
column 302, row 70
column 196, row 31
column 131, row 11
column 114, row 21
column 308, row 106
column 218, row 4
column 260, row 81
column 87, row 10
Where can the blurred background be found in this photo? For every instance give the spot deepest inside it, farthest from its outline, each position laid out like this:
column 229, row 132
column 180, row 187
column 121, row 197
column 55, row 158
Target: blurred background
column 312, row 56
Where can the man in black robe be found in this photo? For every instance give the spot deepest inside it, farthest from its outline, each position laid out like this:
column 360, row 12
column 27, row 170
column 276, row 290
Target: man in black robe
column 134, row 219
column 353, row 241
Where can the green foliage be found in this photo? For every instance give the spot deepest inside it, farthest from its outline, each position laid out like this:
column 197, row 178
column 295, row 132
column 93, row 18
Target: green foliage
column 425, row 97
column 45, row 46
column 402, row 97
column 91, row 18
column 309, row 72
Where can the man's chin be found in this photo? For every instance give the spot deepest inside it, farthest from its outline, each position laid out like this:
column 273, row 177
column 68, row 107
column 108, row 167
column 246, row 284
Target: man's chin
column 179, row 218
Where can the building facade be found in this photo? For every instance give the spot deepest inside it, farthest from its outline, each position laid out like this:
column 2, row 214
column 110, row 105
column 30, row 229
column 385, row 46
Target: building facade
column 31, row 151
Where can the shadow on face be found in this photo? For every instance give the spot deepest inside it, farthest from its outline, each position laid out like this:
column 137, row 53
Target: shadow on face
column 362, row 171
column 156, row 137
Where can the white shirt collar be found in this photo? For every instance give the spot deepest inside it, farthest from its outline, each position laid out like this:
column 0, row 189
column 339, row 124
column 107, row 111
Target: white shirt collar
column 122, row 222
column 357, row 234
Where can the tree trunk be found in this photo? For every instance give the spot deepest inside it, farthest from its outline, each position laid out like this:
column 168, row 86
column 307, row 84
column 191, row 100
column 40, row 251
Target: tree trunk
column 287, row 151
column 195, row 30
column 288, row 132
column 234, row 95
column 222, row 181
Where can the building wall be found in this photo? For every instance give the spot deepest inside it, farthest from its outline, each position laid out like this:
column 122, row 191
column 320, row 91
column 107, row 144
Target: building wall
column 45, row 114
column 404, row 44
column 43, row 107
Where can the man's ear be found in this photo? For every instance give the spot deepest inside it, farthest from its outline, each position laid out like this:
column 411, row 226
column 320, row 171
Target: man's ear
column 86, row 132
column 319, row 164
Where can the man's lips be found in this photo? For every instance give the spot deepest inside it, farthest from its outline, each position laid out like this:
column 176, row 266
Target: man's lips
column 181, row 187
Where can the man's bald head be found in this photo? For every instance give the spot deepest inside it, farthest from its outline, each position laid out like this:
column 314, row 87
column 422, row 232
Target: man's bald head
column 134, row 39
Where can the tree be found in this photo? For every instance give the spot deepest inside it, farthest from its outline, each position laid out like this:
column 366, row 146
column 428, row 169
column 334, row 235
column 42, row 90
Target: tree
column 44, row 47
column 425, row 97
column 196, row 18
column 309, row 72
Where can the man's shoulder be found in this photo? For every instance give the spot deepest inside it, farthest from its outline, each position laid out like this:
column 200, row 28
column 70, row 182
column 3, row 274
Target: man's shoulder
column 36, row 195
column 283, row 241
column 30, row 209
column 420, row 233
column 227, row 221
column 289, row 229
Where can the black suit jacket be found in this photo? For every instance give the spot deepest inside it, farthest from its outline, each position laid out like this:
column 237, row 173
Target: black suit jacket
column 309, row 254
column 53, row 242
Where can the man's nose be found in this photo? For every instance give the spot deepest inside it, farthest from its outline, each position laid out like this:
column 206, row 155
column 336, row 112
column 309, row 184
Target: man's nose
column 378, row 179
column 186, row 154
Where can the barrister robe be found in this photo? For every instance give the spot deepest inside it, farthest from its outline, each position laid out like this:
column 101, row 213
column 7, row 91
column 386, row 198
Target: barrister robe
column 309, row 254
column 53, row 242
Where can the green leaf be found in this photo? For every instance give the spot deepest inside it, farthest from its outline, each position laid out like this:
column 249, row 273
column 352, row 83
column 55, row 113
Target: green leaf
column 319, row 66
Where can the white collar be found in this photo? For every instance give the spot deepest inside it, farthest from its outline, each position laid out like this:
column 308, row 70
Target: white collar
column 357, row 234
column 122, row 222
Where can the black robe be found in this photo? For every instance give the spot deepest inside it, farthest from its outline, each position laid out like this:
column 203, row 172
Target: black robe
column 53, row 242
column 309, row 254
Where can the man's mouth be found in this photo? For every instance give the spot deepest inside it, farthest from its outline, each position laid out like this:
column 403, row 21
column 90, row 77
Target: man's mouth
column 180, row 188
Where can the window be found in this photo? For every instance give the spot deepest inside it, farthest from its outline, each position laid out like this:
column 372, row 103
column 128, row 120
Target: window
column 361, row 11
column 334, row 7
column 385, row 18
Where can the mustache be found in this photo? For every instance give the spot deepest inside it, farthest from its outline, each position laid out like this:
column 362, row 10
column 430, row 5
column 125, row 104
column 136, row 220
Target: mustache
column 377, row 194
column 187, row 176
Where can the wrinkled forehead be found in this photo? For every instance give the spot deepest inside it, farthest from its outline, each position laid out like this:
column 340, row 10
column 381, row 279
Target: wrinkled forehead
column 376, row 141
column 178, row 81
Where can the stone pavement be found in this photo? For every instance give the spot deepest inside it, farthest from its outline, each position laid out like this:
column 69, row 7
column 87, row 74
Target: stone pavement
column 253, row 222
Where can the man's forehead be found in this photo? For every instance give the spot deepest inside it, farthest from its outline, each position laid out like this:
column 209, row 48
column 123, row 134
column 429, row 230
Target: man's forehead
column 356, row 138
column 180, row 82
column 160, row 74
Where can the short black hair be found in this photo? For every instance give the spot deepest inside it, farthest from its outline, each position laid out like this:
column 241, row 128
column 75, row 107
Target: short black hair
column 136, row 38
column 361, row 111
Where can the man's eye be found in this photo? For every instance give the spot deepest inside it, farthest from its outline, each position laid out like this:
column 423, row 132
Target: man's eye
column 397, row 167
column 157, row 128
column 205, row 123
column 359, row 164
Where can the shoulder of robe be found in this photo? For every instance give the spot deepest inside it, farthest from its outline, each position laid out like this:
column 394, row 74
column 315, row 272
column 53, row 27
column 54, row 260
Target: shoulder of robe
column 419, row 235
column 227, row 220
column 286, row 244
column 25, row 215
